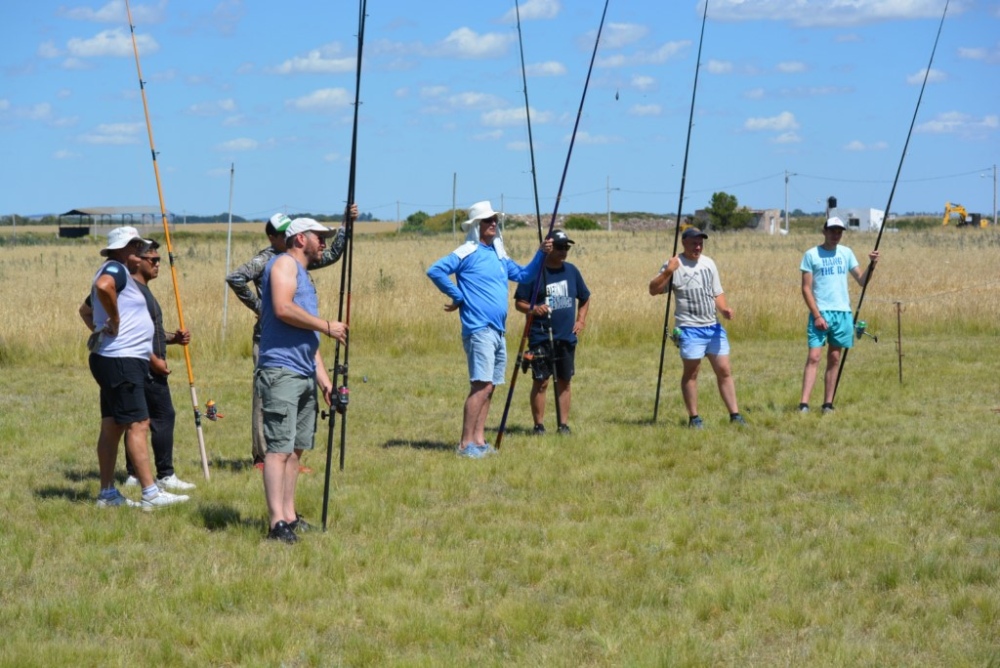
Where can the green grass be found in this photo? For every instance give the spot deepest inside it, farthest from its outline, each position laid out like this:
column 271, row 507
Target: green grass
column 864, row 538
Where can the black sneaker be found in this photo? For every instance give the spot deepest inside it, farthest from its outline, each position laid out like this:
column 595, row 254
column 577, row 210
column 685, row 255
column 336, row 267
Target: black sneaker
column 300, row 525
column 539, row 430
column 564, row 428
column 281, row 531
column 827, row 409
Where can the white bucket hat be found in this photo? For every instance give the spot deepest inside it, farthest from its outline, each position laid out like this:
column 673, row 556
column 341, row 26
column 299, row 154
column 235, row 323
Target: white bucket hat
column 477, row 212
column 120, row 237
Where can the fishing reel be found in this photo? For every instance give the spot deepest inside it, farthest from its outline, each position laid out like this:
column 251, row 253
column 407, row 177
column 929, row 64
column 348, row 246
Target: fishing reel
column 861, row 329
column 530, row 356
column 675, row 336
column 212, row 411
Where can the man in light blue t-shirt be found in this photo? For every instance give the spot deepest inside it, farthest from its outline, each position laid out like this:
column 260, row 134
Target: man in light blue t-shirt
column 824, row 289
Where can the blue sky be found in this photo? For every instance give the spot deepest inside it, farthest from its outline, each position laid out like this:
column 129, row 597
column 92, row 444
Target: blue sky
column 824, row 89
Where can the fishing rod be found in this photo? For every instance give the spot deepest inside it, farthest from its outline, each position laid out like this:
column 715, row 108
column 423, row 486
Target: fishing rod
column 680, row 207
column 552, row 222
column 520, row 360
column 871, row 265
column 170, row 249
column 341, row 393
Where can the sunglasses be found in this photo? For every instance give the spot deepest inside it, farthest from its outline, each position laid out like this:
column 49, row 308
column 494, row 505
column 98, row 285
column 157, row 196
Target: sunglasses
column 151, row 260
column 561, row 248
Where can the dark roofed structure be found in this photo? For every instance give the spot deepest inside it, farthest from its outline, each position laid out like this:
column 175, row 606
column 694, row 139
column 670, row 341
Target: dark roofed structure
column 114, row 216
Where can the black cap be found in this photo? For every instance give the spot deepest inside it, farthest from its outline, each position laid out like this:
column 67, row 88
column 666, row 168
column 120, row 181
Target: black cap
column 693, row 232
column 559, row 238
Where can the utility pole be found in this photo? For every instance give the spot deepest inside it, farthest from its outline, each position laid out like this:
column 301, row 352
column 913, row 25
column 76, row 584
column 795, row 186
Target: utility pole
column 609, row 202
column 399, row 221
column 787, row 174
column 454, row 188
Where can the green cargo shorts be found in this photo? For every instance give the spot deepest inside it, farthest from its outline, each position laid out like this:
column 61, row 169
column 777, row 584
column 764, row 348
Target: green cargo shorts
column 290, row 407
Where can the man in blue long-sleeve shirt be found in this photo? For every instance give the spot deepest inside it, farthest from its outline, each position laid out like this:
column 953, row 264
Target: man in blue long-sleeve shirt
column 480, row 295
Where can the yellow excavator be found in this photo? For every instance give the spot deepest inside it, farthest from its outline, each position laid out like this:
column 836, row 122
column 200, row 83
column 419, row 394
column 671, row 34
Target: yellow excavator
column 973, row 219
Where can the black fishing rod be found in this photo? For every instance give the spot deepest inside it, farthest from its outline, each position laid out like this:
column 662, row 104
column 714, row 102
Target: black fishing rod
column 170, row 251
column 519, row 360
column 341, row 393
column 552, row 223
column 871, row 265
column 680, row 208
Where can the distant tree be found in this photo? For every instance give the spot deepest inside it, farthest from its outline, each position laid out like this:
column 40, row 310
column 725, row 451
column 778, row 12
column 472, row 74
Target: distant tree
column 725, row 213
column 580, row 223
column 415, row 222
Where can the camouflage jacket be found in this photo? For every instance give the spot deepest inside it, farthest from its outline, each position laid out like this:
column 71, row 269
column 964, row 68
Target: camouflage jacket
column 253, row 272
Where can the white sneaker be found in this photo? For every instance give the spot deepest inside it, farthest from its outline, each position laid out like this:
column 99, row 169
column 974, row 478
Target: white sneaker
column 173, row 482
column 162, row 499
column 115, row 501
column 131, row 481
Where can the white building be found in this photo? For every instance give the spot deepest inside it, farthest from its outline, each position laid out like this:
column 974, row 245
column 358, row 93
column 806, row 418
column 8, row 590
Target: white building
column 858, row 219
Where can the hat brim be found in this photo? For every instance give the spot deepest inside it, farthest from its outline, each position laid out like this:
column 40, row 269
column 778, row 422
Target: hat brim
column 467, row 224
column 107, row 251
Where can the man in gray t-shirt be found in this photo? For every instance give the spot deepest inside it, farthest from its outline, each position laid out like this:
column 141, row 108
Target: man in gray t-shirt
column 694, row 279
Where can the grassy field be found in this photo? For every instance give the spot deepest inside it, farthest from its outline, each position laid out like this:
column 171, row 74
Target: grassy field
column 866, row 538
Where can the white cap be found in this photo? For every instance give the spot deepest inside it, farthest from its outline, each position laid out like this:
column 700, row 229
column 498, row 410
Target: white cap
column 835, row 222
column 300, row 225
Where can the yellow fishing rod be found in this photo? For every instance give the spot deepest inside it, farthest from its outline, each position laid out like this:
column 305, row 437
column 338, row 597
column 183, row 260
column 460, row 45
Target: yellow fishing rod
column 170, row 249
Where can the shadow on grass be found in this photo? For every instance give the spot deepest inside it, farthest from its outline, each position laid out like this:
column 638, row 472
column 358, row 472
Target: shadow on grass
column 514, row 430
column 418, row 445
column 218, row 517
column 234, row 465
column 77, row 475
column 67, row 493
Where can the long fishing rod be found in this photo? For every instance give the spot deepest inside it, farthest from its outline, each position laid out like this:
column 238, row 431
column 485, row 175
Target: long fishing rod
column 555, row 208
column 538, row 222
column 170, row 249
column 871, row 265
column 680, row 208
column 342, row 391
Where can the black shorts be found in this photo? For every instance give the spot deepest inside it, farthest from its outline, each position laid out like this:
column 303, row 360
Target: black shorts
column 564, row 357
column 122, row 382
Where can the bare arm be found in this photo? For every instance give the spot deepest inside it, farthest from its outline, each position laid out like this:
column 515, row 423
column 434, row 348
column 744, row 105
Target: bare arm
column 720, row 303
column 863, row 279
column 323, row 379
column 581, row 317
column 810, row 300
column 284, row 275
column 87, row 315
column 541, row 309
column 659, row 284
column 108, row 296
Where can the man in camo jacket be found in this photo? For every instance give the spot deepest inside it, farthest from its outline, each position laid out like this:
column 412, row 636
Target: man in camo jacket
column 253, row 272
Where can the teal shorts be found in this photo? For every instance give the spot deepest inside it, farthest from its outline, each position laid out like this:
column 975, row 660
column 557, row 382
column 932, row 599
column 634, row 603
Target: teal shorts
column 289, row 403
column 839, row 333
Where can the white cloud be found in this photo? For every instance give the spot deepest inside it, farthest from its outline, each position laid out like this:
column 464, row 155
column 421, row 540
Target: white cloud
column 857, row 146
column 645, row 110
column 429, row 92
column 519, row 145
column 324, row 60
column 114, row 134
column 513, row 117
column 241, row 144
column 984, row 54
column 956, row 122
column 787, row 138
column 116, row 43
column 492, row 135
column 534, row 9
column 331, row 157
column 474, row 100
column 935, row 76
column 325, row 99
column 784, row 121
column 65, row 155
column 718, row 66
column 48, row 50
column 114, row 12
column 825, row 13
column 583, row 137
column 213, row 108
column 551, row 68
column 754, row 94
column 657, row 56
column 791, row 67
column 466, row 43
column 642, row 82
column 4, row 104
column 618, row 35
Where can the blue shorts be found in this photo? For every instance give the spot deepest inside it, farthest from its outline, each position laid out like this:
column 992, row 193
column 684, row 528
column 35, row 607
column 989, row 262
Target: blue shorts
column 486, row 351
column 696, row 342
column 839, row 333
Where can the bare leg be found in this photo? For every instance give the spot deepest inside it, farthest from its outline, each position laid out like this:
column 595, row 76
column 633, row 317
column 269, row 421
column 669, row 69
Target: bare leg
column 809, row 374
column 832, row 370
column 135, row 446
column 291, row 476
column 563, row 397
column 689, row 386
column 724, row 378
column 275, row 466
column 538, row 389
column 107, row 450
column 477, row 406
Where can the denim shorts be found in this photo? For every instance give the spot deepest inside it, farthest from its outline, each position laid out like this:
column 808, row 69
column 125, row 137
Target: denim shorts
column 486, row 351
column 839, row 332
column 289, row 403
column 696, row 342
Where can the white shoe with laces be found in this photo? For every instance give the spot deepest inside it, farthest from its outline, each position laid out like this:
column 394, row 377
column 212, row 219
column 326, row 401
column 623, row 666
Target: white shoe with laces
column 131, row 481
column 162, row 499
column 173, row 482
